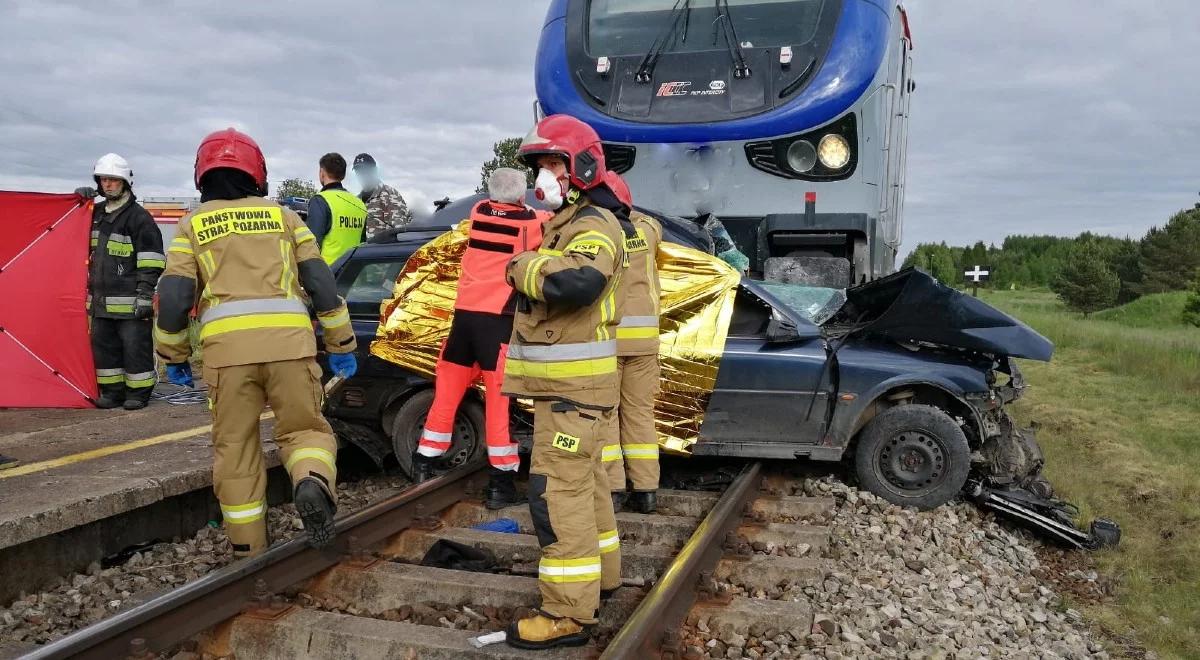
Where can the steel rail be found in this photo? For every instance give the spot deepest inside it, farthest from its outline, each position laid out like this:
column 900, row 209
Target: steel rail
column 181, row 613
column 663, row 610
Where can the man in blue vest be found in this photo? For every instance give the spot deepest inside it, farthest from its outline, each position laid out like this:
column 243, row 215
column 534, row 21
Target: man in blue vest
column 336, row 217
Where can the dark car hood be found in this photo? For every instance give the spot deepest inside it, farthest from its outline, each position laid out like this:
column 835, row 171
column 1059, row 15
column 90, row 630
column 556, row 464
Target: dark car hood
column 912, row 306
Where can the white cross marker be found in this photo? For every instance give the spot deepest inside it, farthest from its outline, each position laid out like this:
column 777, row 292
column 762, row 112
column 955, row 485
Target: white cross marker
column 975, row 275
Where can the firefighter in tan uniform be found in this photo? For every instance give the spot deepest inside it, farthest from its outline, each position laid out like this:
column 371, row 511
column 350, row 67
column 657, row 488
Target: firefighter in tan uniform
column 250, row 266
column 631, row 446
column 563, row 354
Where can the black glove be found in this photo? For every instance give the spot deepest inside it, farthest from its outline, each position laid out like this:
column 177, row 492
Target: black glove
column 143, row 308
column 86, row 193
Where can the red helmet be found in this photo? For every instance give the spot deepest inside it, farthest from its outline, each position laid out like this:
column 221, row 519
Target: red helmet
column 572, row 139
column 234, row 149
column 618, row 187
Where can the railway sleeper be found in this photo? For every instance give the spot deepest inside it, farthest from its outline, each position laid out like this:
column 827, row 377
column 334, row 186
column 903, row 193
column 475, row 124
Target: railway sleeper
column 389, row 586
column 644, row 561
column 740, row 614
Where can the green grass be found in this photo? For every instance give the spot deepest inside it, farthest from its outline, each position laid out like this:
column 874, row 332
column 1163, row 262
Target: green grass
column 1119, row 408
column 1159, row 310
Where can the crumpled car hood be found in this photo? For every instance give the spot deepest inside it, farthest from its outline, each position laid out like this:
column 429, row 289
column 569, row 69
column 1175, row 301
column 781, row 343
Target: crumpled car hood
column 912, row 306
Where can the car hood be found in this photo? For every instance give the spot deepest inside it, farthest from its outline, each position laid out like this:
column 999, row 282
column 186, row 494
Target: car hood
column 912, row 306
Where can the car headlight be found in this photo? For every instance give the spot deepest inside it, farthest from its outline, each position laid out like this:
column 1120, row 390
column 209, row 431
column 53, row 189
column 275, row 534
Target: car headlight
column 801, row 156
column 834, row 151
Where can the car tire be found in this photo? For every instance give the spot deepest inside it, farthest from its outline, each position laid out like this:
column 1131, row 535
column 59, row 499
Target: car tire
column 913, row 455
column 468, row 443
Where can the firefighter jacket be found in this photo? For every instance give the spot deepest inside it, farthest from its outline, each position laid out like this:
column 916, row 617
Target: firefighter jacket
column 126, row 259
column 637, row 333
column 244, row 263
column 564, row 344
column 497, row 232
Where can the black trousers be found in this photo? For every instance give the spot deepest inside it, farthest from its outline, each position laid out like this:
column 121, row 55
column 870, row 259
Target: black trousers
column 123, row 350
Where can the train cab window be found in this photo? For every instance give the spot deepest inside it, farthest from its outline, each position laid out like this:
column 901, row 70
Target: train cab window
column 629, row 27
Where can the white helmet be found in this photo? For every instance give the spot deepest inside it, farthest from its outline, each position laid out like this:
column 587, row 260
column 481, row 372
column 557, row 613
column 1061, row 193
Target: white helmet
column 114, row 166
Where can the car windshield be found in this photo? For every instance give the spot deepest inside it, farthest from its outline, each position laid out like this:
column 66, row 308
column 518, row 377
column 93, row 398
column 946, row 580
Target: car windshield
column 629, row 27
column 812, row 303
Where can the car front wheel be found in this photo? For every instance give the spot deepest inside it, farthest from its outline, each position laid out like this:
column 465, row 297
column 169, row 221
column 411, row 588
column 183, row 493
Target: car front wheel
column 467, row 443
column 913, row 455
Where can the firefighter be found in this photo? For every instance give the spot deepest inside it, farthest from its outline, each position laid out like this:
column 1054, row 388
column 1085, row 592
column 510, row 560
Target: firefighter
column 562, row 354
column 500, row 227
column 125, row 263
column 631, row 449
column 247, row 264
column 336, row 216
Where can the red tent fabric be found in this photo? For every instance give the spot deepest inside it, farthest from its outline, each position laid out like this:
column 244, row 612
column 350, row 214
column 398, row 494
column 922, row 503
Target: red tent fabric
column 44, row 346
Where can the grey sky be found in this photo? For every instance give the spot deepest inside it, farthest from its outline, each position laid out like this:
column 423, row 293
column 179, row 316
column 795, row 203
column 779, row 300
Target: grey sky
column 1029, row 117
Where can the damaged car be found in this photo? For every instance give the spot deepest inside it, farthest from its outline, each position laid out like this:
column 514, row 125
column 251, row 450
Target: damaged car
column 903, row 378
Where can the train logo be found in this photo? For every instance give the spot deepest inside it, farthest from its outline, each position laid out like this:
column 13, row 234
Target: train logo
column 717, row 85
column 674, row 89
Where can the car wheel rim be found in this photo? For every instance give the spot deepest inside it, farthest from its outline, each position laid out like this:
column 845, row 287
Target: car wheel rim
column 462, row 442
column 913, row 461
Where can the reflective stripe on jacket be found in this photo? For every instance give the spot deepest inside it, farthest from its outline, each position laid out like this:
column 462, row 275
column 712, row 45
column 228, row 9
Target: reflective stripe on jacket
column 564, row 331
column 347, row 222
column 637, row 333
column 497, row 233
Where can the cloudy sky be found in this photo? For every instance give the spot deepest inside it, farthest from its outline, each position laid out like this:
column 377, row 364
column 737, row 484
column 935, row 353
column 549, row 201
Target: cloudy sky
column 1029, row 117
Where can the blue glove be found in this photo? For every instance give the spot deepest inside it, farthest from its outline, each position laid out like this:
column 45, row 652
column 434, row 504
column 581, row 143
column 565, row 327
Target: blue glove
column 180, row 374
column 343, row 364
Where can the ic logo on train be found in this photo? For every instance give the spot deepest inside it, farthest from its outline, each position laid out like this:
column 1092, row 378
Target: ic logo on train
column 674, row 89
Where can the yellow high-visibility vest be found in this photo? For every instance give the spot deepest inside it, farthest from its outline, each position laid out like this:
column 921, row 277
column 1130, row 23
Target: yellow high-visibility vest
column 347, row 220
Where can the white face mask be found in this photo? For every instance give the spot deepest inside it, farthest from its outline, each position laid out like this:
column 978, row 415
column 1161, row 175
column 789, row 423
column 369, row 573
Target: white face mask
column 548, row 189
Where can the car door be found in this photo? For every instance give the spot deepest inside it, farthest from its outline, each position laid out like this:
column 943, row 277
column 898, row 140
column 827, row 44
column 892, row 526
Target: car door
column 763, row 403
column 365, row 283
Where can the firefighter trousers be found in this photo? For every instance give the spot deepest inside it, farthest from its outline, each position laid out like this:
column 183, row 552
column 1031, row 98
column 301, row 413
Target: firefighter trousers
column 572, row 510
column 477, row 345
column 630, row 442
column 307, row 447
column 123, row 350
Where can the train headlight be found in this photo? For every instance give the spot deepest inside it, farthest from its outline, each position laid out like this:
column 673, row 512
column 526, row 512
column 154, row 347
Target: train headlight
column 801, row 156
column 834, row 151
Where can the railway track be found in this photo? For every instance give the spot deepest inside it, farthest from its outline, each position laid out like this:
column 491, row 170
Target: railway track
column 706, row 561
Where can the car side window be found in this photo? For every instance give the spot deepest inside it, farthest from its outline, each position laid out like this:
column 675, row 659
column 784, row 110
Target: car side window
column 366, row 284
column 750, row 316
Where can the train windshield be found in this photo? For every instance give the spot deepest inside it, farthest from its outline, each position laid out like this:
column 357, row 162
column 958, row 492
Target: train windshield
column 629, row 27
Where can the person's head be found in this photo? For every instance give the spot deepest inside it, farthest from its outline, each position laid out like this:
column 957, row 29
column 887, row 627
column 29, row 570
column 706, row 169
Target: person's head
column 113, row 176
column 366, row 171
column 507, row 186
column 227, row 151
column 332, row 168
column 567, row 155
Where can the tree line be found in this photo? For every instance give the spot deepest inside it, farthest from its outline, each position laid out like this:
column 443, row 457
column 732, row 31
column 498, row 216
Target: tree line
column 1089, row 272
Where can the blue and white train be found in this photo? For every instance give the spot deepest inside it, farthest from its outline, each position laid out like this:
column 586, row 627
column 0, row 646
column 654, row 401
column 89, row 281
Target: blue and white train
column 787, row 119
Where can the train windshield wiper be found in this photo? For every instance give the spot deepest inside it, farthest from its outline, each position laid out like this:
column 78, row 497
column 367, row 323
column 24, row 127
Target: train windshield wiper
column 680, row 13
column 724, row 22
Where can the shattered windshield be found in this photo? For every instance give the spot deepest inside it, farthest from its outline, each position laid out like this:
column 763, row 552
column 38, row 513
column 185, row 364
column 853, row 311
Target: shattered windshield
column 629, row 27
column 812, row 303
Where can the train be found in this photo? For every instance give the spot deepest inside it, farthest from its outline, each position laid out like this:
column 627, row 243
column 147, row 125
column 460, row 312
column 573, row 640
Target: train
column 785, row 119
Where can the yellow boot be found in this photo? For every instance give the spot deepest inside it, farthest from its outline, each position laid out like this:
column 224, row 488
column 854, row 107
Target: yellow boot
column 545, row 632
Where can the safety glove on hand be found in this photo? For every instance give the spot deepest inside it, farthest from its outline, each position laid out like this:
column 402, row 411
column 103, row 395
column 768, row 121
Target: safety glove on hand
column 143, row 308
column 343, row 364
column 180, row 374
column 86, row 193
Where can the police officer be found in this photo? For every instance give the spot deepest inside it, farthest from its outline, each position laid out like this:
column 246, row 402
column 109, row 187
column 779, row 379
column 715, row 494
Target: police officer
column 631, row 449
column 336, row 217
column 563, row 355
column 249, row 265
column 500, row 227
column 386, row 208
column 126, row 261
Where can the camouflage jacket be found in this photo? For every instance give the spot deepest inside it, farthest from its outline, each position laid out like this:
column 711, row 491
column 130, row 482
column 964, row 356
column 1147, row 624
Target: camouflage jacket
column 386, row 210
